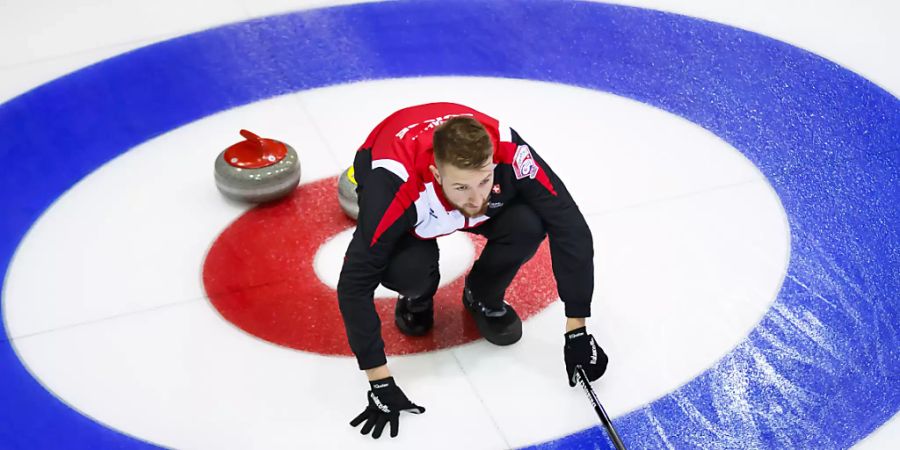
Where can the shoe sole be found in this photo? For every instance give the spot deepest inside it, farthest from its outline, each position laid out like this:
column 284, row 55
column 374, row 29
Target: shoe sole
column 404, row 329
column 410, row 332
column 510, row 337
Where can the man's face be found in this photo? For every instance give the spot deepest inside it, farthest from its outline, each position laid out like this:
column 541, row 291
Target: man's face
column 467, row 189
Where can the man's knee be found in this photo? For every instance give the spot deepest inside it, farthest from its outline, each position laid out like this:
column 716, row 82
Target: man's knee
column 413, row 270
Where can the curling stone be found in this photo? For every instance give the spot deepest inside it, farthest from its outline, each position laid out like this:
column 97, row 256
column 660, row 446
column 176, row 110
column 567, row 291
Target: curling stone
column 347, row 194
column 257, row 170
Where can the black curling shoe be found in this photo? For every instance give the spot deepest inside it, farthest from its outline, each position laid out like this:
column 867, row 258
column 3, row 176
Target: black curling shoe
column 414, row 317
column 499, row 326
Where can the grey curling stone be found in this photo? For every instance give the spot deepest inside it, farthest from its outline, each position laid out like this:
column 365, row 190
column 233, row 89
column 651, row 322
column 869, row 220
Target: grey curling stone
column 257, row 170
column 347, row 194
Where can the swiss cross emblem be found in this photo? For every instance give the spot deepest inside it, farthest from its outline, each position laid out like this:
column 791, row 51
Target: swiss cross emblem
column 496, row 189
column 523, row 163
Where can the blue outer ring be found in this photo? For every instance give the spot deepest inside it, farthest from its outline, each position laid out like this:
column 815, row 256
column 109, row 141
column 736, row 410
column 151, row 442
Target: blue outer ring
column 815, row 372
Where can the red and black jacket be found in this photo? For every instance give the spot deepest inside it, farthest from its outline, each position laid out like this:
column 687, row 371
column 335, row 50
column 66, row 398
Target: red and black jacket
column 398, row 195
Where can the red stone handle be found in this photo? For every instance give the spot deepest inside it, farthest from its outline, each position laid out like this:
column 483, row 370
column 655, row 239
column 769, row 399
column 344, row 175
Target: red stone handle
column 250, row 136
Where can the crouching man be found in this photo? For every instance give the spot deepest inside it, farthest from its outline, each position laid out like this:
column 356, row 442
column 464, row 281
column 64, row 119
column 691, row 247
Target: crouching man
column 427, row 171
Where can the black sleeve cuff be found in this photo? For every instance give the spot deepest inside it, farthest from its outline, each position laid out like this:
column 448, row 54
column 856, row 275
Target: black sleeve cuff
column 371, row 361
column 577, row 310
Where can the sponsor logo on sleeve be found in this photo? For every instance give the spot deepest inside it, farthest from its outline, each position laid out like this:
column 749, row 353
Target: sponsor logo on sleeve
column 524, row 164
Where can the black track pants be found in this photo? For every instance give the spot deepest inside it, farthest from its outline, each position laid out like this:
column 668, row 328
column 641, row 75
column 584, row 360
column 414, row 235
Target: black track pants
column 513, row 237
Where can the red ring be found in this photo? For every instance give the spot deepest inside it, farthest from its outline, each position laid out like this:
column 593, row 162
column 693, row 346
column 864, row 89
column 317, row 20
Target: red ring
column 259, row 275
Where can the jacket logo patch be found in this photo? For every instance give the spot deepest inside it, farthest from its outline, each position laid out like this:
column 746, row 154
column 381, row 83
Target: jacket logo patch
column 523, row 163
column 496, row 189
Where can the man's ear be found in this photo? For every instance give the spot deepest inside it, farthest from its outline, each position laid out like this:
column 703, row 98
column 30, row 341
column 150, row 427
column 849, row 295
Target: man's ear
column 435, row 173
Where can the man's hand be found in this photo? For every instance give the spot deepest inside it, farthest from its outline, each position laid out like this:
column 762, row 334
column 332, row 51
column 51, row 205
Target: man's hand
column 386, row 400
column 582, row 350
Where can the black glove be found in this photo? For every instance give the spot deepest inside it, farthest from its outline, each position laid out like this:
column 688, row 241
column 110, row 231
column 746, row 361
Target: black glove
column 582, row 350
column 386, row 400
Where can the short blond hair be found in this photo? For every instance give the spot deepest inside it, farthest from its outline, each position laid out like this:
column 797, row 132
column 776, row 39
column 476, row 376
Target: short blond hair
column 463, row 143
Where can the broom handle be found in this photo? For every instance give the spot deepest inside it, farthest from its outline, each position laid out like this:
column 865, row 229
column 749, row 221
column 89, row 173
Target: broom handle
column 582, row 377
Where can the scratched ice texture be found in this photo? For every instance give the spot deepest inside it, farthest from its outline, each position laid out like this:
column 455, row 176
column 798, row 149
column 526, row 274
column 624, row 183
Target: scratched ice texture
column 818, row 371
